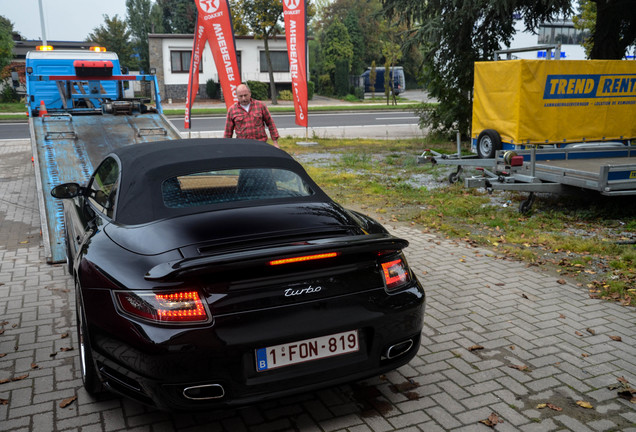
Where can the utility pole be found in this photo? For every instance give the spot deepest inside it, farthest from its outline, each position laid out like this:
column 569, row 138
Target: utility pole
column 42, row 23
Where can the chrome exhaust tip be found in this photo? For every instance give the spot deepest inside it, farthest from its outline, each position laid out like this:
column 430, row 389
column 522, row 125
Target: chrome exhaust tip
column 204, row 392
column 398, row 349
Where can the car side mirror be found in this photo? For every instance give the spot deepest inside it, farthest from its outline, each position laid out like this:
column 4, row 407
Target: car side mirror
column 67, row 190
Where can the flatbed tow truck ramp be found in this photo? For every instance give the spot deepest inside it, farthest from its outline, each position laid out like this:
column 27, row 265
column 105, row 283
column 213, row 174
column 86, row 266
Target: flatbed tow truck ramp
column 77, row 115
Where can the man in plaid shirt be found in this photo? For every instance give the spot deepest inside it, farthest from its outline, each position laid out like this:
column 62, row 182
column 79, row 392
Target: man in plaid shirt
column 248, row 118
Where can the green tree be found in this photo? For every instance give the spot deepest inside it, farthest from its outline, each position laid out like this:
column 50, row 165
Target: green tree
column 585, row 22
column 179, row 16
column 352, row 22
column 262, row 18
column 140, row 26
column 452, row 36
column 392, row 54
column 336, row 45
column 115, row 36
column 6, row 42
column 614, row 28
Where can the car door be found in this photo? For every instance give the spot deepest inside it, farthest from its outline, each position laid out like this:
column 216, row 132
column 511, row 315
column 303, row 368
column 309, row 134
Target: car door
column 96, row 206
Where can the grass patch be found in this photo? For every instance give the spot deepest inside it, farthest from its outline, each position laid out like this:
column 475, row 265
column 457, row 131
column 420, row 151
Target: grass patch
column 582, row 236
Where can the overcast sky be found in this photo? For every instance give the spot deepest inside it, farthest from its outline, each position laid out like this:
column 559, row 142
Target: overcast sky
column 64, row 20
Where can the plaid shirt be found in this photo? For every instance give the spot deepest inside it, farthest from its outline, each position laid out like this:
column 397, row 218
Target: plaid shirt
column 250, row 125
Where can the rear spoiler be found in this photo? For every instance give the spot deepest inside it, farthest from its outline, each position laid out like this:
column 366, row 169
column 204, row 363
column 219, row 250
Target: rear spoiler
column 347, row 244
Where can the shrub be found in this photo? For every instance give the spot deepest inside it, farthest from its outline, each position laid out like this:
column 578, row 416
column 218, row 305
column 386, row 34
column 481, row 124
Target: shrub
column 325, row 85
column 286, row 95
column 258, row 89
column 9, row 94
column 311, row 87
column 342, row 77
column 212, row 89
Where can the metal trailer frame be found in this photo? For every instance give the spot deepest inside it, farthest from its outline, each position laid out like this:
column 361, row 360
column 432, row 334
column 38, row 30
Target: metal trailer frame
column 455, row 159
column 609, row 170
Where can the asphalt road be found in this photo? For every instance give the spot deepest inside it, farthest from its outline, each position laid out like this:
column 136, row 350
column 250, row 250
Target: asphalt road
column 358, row 123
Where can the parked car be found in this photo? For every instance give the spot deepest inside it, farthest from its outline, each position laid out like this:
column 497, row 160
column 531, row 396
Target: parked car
column 396, row 73
column 215, row 272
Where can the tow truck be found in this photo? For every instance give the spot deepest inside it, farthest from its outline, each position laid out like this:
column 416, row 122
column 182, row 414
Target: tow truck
column 78, row 113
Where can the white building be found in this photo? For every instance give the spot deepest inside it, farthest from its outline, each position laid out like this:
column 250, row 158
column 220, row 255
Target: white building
column 557, row 32
column 170, row 57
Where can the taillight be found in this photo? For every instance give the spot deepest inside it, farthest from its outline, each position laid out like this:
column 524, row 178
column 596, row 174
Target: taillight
column 395, row 273
column 304, row 258
column 180, row 307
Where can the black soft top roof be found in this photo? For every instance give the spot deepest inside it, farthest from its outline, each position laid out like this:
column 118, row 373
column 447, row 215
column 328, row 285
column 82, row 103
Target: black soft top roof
column 145, row 166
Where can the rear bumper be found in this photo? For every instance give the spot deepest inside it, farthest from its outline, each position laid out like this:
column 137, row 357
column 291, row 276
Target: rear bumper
column 161, row 367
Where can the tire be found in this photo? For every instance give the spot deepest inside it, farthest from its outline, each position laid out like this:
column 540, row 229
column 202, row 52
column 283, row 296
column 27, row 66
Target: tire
column 69, row 259
column 488, row 143
column 90, row 378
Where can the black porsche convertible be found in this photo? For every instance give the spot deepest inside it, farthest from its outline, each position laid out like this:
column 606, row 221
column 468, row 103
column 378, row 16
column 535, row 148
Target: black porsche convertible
column 215, row 272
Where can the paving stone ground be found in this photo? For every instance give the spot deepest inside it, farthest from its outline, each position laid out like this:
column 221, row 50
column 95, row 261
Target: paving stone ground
column 542, row 342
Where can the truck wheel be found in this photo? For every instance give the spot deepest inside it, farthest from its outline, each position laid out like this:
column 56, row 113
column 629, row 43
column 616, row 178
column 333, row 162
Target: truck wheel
column 488, row 143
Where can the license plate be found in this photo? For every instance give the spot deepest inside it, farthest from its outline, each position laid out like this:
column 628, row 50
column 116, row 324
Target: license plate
column 306, row 350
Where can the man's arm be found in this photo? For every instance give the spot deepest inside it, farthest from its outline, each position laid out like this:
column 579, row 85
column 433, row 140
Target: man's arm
column 269, row 121
column 229, row 125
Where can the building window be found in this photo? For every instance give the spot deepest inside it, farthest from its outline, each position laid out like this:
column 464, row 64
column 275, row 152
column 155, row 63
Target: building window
column 280, row 61
column 180, row 62
column 564, row 34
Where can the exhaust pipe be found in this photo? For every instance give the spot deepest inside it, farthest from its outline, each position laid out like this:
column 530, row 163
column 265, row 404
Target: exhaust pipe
column 398, row 349
column 204, row 392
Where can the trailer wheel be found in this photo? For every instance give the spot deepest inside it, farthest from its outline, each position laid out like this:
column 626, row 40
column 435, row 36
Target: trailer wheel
column 488, row 143
column 525, row 206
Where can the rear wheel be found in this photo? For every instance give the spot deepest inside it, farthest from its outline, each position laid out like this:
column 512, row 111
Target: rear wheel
column 488, row 143
column 90, row 378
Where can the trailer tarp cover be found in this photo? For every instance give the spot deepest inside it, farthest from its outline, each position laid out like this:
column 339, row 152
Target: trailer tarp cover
column 547, row 101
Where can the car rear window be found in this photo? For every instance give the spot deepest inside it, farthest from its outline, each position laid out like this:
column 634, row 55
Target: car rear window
column 212, row 187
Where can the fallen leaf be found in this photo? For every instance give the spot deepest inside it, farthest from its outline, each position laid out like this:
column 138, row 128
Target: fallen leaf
column 584, row 404
column 585, row 355
column 549, row 405
column 34, row 366
column 492, row 420
column 590, row 331
column 4, row 381
column 2, row 355
column 64, row 336
column 66, row 402
column 20, row 378
column 4, row 401
column 562, row 316
column 622, row 380
column 561, row 282
column 65, row 349
column 2, row 331
column 578, row 333
column 525, row 296
column 475, row 348
column 522, row 368
column 616, row 338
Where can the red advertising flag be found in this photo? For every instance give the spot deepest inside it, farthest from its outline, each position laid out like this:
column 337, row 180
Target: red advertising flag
column 193, row 79
column 215, row 24
column 296, row 35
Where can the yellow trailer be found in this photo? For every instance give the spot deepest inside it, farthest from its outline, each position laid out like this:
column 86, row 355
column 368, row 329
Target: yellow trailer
column 537, row 102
